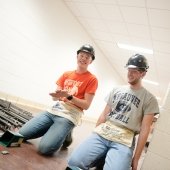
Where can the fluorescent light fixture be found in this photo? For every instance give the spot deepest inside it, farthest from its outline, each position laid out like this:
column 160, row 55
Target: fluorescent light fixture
column 150, row 82
column 135, row 48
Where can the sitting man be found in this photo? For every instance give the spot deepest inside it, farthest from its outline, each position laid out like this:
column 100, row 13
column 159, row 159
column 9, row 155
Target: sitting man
column 129, row 110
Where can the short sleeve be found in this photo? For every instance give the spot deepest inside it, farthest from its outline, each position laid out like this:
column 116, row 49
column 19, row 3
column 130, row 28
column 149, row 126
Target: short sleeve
column 151, row 106
column 92, row 85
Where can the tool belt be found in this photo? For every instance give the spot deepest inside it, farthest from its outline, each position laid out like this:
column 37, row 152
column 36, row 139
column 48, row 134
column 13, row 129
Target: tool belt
column 115, row 133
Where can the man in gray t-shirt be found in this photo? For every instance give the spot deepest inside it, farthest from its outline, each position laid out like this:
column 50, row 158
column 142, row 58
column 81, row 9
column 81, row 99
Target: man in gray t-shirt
column 129, row 111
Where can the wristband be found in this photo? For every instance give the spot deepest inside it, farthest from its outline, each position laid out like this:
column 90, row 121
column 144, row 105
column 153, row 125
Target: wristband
column 70, row 97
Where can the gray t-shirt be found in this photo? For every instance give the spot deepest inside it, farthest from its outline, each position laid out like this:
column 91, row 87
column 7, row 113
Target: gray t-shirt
column 129, row 106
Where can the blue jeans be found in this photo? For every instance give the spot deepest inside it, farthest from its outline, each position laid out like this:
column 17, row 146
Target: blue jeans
column 52, row 128
column 95, row 147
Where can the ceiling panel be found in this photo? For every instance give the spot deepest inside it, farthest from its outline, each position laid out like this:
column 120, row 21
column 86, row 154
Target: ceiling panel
column 159, row 18
column 87, row 10
column 95, row 24
column 158, row 4
column 134, row 15
column 109, row 12
column 163, row 47
column 101, row 36
column 106, row 1
column 137, row 3
column 160, row 34
column 116, row 27
column 138, row 30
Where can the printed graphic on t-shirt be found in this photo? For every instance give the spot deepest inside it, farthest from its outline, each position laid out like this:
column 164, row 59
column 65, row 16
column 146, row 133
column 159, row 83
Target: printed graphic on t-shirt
column 123, row 104
column 72, row 86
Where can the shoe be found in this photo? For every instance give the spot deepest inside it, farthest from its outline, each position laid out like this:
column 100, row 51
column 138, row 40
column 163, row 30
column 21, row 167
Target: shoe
column 72, row 168
column 100, row 163
column 67, row 168
column 68, row 141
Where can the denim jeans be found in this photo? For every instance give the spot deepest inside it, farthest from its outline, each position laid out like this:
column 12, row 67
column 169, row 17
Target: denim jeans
column 95, row 147
column 52, row 128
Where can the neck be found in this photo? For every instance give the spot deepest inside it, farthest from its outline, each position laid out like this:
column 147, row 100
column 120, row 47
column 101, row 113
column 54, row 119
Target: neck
column 136, row 86
column 81, row 70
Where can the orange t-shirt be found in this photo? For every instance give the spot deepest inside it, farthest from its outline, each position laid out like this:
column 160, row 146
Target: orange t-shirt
column 78, row 84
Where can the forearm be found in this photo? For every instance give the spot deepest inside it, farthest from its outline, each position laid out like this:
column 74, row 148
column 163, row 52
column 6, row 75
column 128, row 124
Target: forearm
column 143, row 135
column 82, row 103
column 103, row 115
column 141, row 142
column 101, row 119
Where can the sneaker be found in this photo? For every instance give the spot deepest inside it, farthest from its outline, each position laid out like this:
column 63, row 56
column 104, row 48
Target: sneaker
column 68, row 140
column 72, row 168
column 99, row 164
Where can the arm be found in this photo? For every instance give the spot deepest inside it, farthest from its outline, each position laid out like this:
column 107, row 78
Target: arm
column 82, row 103
column 102, row 117
column 143, row 135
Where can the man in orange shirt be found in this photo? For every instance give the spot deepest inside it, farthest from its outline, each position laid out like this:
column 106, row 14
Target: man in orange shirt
column 75, row 92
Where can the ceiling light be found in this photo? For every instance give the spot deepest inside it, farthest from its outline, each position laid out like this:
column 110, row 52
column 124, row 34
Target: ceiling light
column 150, row 82
column 135, row 48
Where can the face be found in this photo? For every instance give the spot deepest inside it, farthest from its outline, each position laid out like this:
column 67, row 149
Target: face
column 84, row 59
column 134, row 76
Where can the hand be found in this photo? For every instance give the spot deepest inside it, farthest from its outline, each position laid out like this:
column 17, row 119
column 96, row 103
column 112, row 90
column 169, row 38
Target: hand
column 134, row 164
column 59, row 94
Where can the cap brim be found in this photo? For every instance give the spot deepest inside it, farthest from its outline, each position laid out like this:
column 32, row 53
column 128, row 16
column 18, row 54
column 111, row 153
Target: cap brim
column 131, row 66
column 86, row 52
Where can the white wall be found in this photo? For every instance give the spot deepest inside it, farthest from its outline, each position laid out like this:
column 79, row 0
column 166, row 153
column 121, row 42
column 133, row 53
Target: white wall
column 158, row 154
column 39, row 40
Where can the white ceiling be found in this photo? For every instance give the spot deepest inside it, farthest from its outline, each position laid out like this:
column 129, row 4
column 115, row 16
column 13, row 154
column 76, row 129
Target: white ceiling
column 144, row 23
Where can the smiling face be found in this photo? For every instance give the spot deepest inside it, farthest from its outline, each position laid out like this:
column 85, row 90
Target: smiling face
column 135, row 76
column 84, row 59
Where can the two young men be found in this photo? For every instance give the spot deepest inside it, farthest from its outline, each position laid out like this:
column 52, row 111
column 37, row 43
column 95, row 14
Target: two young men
column 75, row 92
column 129, row 111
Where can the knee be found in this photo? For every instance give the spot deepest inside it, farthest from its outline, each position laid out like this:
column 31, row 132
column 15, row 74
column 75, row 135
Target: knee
column 46, row 149
column 74, row 162
column 22, row 132
column 43, row 150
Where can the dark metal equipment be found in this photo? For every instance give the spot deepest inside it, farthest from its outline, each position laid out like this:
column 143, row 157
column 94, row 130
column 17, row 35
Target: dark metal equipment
column 11, row 116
